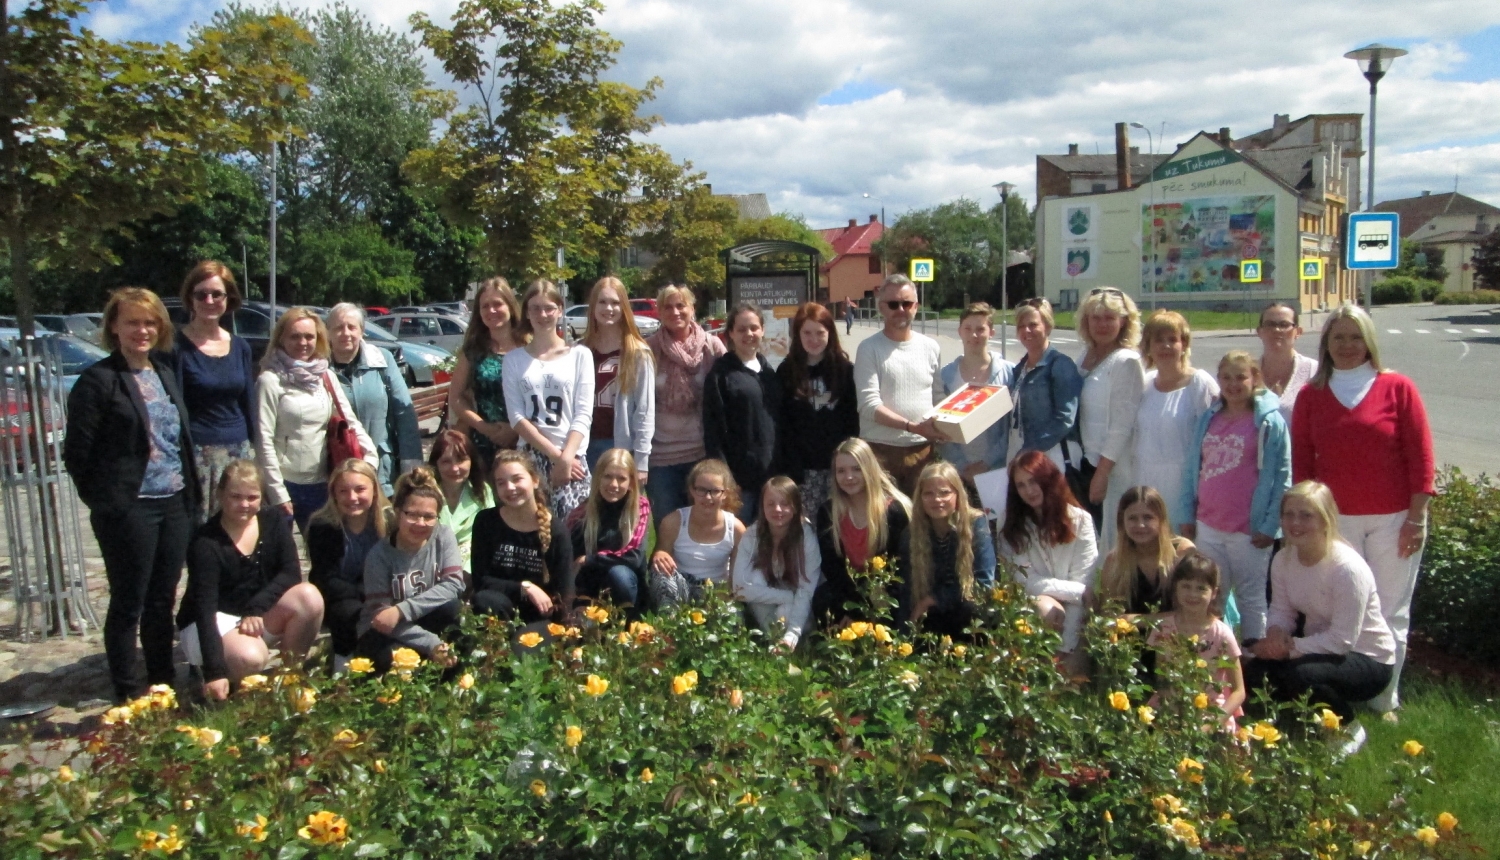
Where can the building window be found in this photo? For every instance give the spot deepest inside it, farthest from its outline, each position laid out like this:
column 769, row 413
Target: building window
column 874, row 264
column 1098, row 188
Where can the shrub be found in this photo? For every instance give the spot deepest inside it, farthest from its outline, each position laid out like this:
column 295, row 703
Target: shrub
column 688, row 736
column 1459, row 586
column 1403, row 289
column 1477, row 297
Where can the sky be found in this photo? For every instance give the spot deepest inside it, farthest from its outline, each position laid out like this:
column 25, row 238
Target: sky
column 837, row 108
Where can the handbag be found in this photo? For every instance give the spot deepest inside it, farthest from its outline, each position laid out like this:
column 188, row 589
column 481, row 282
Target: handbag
column 342, row 442
column 1079, row 476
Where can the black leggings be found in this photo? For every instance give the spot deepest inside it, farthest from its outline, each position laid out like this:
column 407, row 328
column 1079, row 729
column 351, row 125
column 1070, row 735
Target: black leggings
column 499, row 604
column 1336, row 680
column 378, row 647
column 144, row 547
column 342, row 619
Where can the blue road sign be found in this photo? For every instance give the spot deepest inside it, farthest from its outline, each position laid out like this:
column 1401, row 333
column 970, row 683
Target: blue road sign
column 1374, row 241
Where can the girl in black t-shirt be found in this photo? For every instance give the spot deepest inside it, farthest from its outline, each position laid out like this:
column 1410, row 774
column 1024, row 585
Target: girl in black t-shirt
column 523, row 557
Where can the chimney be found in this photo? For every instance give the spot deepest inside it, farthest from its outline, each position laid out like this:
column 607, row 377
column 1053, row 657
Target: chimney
column 1225, row 137
column 852, row 223
column 1122, row 154
column 1280, row 121
column 1426, row 193
column 874, row 218
column 1134, row 151
column 1072, row 149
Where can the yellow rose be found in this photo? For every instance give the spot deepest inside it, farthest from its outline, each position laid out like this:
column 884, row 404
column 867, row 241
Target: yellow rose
column 904, row 649
column 347, row 739
column 389, row 699
column 538, row 788
column 960, row 650
column 556, row 629
column 1363, row 847
column 466, row 682
column 1330, row 720
column 647, row 776
column 1185, row 833
column 860, row 628
column 253, row 682
column 736, row 699
column 256, row 831
column 1124, row 627
column 325, row 828
column 623, row 638
column 65, row 775
column 304, row 698
column 746, row 799
column 262, row 741
column 1189, row 770
column 1167, row 803
column 1146, row 714
column 1427, row 836
column 683, row 683
column 573, row 736
column 1266, row 734
column 1119, row 701
column 882, row 634
column 1023, row 627
column 1446, row 822
column 405, row 659
column 118, row 716
column 530, row 639
column 1201, row 664
column 577, row 654
column 1247, row 777
column 361, row 666
column 848, row 635
column 877, row 563
column 909, row 679
column 642, row 632
column 1200, row 701
column 595, row 686
column 1412, row 748
column 596, row 614
column 378, row 765
column 698, row 617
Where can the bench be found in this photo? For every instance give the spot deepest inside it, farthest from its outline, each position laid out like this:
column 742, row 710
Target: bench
column 431, row 402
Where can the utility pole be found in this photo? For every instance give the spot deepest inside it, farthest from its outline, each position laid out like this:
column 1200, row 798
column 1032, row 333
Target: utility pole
column 1004, row 188
column 271, row 291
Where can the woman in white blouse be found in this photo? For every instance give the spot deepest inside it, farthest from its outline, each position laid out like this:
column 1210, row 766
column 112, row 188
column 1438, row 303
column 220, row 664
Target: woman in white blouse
column 1048, row 540
column 1345, row 653
column 1282, row 367
column 1176, row 395
column 549, row 396
column 1113, row 379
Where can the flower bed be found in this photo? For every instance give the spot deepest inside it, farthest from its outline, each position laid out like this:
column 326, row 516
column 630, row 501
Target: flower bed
column 687, row 736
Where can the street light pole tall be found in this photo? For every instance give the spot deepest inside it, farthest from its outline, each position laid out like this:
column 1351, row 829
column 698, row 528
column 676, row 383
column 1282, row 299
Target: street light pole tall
column 1151, row 219
column 1005, row 188
column 1374, row 61
column 271, row 288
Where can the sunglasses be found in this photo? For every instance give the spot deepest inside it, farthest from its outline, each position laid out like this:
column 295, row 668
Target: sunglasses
column 899, row 305
column 1106, row 290
column 1033, row 303
column 210, row 295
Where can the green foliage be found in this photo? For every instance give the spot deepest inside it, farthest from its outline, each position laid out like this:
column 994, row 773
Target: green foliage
column 1403, row 289
column 1421, row 262
column 689, row 736
column 964, row 240
column 351, row 262
column 694, row 227
column 1486, row 262
column 1459, row 586
column 1477, row 297
column 548, row 154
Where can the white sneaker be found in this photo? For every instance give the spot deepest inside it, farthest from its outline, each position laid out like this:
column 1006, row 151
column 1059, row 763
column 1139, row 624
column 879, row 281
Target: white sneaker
column 340, row 664
column 1350, row 741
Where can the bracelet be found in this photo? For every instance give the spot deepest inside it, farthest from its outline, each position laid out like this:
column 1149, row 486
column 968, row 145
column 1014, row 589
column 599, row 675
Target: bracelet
column 907, row 426
column 1421, row 524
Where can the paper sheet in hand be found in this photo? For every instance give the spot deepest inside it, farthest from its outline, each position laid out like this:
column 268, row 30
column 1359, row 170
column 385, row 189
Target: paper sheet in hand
column 992, row 487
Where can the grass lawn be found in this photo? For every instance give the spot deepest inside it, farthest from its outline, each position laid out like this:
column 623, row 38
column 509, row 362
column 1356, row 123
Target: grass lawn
column 1198, row 320
column 1460, row 727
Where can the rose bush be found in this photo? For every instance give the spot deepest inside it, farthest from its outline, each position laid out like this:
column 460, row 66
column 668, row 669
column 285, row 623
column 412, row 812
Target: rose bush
column 687, row 736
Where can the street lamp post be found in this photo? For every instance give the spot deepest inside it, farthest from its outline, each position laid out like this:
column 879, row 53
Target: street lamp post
column 1005, row 188
column 1151, row 220
column 1374, row 61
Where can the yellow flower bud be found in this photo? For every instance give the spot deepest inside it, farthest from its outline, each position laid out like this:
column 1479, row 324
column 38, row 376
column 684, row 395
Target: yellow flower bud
column 1412, row 748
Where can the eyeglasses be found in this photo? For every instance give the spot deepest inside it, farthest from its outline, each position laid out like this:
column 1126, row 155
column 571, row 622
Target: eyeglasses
column 709, row 493
column 899, row 305
column 1279, row 325
column 1106, row 290
column 210, row 295
column 420, row 518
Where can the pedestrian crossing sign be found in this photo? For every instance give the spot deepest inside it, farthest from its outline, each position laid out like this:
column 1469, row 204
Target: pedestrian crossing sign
column 921, row 270
column 1312, row 269
column 1249, row 271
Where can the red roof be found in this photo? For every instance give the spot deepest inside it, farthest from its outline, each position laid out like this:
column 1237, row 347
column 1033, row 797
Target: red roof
column 854, row 238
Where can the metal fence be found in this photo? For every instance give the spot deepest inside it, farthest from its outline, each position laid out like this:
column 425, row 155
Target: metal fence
column 41, row 508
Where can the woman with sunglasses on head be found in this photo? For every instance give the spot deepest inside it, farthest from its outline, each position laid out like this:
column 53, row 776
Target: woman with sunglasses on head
column 1362, row 430
column 216, row 375
column 1113, row 381
column 819, row 407
column 1283, row 369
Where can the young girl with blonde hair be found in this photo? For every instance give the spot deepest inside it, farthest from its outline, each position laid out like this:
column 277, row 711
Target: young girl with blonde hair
column 523, row 556
column 951, row 557
column 865, row 516
column 624, row 377
column 609, row 533
column 1135, row 572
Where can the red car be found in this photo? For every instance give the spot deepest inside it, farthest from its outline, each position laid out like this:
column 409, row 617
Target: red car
column 644, row 308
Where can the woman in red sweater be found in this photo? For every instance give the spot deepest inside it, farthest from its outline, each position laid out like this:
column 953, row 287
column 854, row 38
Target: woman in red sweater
column 1362, row 430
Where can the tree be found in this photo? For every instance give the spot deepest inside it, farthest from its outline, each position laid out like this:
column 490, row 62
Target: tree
column 687, row 239
column 1486, row 261
column 548, row 154
column 1421, row 262
column 95, row 134
column 964, row 242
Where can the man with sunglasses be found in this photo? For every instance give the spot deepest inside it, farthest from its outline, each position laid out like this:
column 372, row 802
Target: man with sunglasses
column 896, row 371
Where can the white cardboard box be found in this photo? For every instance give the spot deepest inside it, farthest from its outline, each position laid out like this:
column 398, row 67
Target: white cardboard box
column 971, row 410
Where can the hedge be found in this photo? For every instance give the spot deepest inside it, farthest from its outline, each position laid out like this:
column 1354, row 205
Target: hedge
column 1458, row 590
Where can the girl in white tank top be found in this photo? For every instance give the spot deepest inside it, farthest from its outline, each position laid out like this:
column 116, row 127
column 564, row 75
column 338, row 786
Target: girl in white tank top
column 681, row 565
column 700, row 561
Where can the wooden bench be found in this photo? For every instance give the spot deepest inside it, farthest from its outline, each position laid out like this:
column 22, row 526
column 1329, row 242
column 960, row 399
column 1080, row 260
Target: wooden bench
column 431, row 402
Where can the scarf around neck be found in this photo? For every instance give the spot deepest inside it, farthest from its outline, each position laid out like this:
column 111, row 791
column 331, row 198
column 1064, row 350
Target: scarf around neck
column 303, row 375
column 681, row 361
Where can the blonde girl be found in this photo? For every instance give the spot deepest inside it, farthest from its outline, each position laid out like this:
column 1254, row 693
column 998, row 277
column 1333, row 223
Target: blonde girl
column 414, row 579
column 339, row 537
column 1238, row 466
column 1135, row 572
column 477, row 399
column 696, row 543
column 778, row 566
column 523, row 556
column 952, row 556
column 624, row 377
column 245, row 592
column 1195, row 625
column 549, row 394
column 865, row 516
column 609, row 532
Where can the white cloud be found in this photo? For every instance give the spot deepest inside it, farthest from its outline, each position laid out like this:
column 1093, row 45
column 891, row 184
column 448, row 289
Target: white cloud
column 980, row 88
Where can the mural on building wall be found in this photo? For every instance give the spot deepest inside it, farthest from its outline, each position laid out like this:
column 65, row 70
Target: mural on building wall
column 1080, row 248
column 1195, row 246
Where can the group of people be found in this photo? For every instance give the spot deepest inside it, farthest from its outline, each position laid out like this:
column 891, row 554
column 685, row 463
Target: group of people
column 641, row 470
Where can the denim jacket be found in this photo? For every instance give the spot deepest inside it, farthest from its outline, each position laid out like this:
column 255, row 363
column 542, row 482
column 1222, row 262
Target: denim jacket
column 1273, row 463
column 989, row 447
column 1047, row 399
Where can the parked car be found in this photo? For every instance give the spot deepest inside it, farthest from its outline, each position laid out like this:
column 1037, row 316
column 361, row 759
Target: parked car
column 78, row 325
column 457, row 309
column 376, row 311
column 425, row 328
column 74, row 353
column 644, row 308
column 576, row 320
column 418, row 362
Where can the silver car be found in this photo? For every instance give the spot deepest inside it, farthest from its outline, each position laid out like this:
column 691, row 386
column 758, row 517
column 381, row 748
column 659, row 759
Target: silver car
column 425, row 328
column 576, row 319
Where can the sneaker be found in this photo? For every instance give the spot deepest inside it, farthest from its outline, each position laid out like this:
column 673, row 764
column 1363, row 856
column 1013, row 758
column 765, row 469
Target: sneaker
column 1349, row 741
column 340, row 664
column 1391, row 717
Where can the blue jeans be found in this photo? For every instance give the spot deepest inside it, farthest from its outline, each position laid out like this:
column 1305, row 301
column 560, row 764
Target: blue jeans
column 667, row 489
column 306, row 499
column 595, row 450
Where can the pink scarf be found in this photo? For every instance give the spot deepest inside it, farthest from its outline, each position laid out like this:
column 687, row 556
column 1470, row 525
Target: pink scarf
column 681, row 360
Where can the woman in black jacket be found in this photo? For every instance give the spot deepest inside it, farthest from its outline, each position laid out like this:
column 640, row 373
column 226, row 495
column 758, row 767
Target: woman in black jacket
column 741, row 406
column 865, row 518
column 245, row 592
column 339, row 536
column 819, row 405
column 130, row 454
